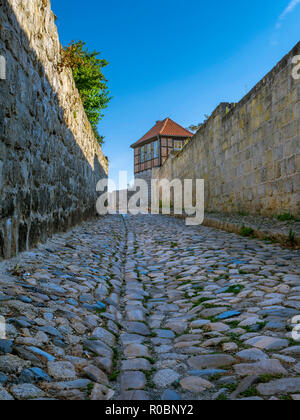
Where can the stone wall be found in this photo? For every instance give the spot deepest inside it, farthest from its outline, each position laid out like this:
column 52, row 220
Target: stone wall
column 249, row 153
column 50, row 160
column 146, row 176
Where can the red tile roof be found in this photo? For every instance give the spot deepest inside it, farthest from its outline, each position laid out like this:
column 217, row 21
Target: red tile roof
column 167, row 127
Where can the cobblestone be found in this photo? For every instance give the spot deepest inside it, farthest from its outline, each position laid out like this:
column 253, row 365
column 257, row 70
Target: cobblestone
column 146, row 308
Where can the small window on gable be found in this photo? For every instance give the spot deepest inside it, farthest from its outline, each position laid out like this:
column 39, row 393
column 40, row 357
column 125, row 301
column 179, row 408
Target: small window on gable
column 178, row 145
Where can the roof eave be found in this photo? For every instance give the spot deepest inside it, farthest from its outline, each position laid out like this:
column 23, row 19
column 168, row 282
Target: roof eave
column 141, row 143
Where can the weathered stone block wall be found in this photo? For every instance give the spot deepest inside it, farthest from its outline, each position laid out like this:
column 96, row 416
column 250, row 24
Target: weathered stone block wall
column 249, row 153
column 146, row 176
column 49, row 158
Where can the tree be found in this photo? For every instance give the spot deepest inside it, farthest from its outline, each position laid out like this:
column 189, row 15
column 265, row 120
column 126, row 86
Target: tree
column 194, row 128
column 90, row 81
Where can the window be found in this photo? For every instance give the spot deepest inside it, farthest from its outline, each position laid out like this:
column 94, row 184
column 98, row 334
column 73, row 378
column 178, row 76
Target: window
column 149, row 151
column 142, row 154
column 155, row 149
column 178, row 145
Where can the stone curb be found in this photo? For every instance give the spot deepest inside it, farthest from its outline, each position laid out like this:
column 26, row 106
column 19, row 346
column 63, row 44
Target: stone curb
column 259, row 233
column 231, row 227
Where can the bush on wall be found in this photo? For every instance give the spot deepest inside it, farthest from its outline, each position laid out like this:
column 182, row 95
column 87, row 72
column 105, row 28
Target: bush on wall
column 90, row 81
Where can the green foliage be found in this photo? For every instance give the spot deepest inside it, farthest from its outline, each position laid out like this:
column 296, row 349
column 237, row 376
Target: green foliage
column 250, row 392
column 236, row 339
column 231, row 387
column 90, row 388
column 285, row 217
column 222, row 397
column 293, row 342
column 233, row 324
column 246, row 231
column 255, row 328
column 268, row 378
column 201, row 301
column 114, row 376
column 152, row 361
column 195, row 127
column 286, row 398
column 87, row 70
column 236, row 289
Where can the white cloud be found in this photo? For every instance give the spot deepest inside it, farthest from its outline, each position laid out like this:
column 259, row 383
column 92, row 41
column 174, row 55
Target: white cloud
column 289, row 9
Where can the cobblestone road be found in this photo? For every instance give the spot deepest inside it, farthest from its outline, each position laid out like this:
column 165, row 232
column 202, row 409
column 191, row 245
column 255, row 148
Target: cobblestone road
column 147, row 308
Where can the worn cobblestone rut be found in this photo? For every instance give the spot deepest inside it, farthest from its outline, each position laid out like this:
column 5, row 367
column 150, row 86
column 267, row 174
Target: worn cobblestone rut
column 146, row 308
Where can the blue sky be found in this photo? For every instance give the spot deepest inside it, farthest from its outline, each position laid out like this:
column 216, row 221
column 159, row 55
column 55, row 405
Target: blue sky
column 176, row 58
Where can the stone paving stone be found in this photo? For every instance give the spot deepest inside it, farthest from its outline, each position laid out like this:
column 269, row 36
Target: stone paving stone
column 3, row 379
column 134, row 396
column 297, row 367
column 178, row 327
column 96, row 375
column 101, row 393
column 252, row 355
column 216, row 326
column 280, row 387
column 127, row 339
column 26, row 392
column 67, row 385
column 99, row 348
column 136, row 364
column 133, row 380
column 211, row 361
column 136, row 350
column 267, row 343
column 104, row 363
column 164, row 333
column 229, row 347
column 61, row 370
column 206, row 373
column 4, row 395
column 264, row 367
column 135, row 315
column 13, row 364
column 292, row 351
column 194, row 384
column 138, row 328
column 150, row 303
column 170, row 395
column 106, row 336
column 165, row 377
column 6, row 346
column 199, row 323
